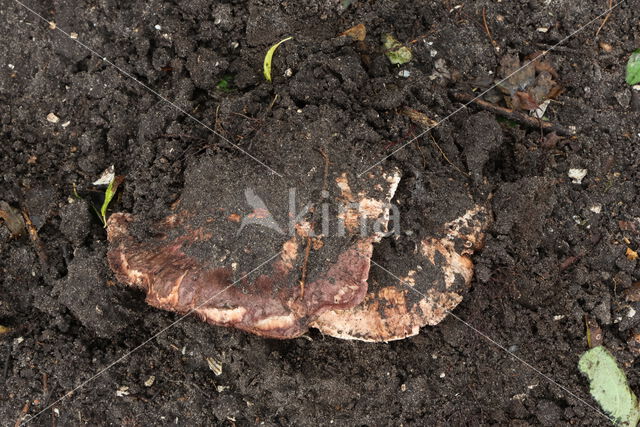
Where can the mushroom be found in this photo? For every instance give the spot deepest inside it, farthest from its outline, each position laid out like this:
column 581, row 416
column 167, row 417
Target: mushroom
column 275, row 257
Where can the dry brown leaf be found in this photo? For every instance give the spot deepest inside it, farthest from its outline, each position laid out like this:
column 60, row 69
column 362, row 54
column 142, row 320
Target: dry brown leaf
column 12, row 219
column 357, row 32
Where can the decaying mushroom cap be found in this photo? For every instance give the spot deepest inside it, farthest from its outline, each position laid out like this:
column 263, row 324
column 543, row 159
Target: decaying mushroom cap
column 236, row 250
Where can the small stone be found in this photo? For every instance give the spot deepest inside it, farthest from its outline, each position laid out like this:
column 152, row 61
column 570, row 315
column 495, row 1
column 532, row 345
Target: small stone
column 442, row 375
column 73, row 35
column 149, row 382
column 158, row 27
column 606, row 47
column 542, row 29
column 52, row 25
column 577, row 175
column 596, row 209
column 122, row 391
column 52, row 118
column 404, row 73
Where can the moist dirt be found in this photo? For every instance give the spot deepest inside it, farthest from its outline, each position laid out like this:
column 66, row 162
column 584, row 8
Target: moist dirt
column 556, row 250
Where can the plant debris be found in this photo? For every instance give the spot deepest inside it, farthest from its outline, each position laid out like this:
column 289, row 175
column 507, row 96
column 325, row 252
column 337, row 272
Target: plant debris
column 357, row 32
column 527, row 86
column 108, row 196
column 633, row 68
column 215, row 365
column 12, row 219
column 609, row 387
column 396, row 52
column 269, row 57
column 516, row 116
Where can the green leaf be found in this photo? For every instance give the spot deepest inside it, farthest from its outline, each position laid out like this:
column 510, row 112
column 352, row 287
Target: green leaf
column 396, row 52
column 269, row 56
column 633, row 68
column 108, row 196
column 609, row 386
column 225, row 83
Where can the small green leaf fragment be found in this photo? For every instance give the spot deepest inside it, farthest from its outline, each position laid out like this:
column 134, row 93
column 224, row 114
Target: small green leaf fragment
column 396, row 52
column 609, row 387
column 633, row 68
column 108, row 196
column 225, row 83
column 269, row 57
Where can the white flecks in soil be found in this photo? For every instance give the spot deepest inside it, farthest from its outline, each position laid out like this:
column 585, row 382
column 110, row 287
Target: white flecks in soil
column 577, row 175
column 149, row 382
column 122, row 391
column 52, row 118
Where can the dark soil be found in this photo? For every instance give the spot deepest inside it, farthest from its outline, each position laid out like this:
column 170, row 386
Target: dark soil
column 554, row 254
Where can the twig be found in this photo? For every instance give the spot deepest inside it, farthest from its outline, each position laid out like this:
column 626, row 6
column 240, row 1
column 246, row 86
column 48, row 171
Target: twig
column 487, row 30
column 446, row 158
column 606, row 18
column 514, row 115
column 325, row 175
column 303, row 276
column 24, row 411
column 272, row 102
column 419, row 117
column 37, row 243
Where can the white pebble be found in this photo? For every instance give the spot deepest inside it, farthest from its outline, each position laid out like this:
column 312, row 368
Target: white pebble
column 596, row 209
column 442, row 375
column 11, row 66
column 158, row 27
column 577, row 175
column 73, row 35
column 52, row 118
column 404, row 73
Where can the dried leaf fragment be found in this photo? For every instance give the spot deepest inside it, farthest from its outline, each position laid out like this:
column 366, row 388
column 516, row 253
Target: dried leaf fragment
column 12, row 218
column 215, row 365
column 357, row 32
